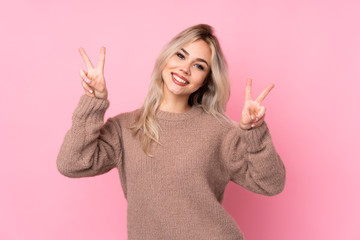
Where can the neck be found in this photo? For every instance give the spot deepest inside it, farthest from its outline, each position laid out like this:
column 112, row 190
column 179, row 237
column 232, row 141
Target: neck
column 175, row 104
column 174, row 107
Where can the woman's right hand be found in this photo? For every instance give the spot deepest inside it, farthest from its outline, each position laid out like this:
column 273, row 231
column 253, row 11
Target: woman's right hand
column 93, row 81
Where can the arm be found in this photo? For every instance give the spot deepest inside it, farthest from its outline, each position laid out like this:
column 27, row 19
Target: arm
column 253, row 161
column 90, row 147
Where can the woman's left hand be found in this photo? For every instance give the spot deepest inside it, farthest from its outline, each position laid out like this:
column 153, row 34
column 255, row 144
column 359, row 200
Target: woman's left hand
column 252, row 115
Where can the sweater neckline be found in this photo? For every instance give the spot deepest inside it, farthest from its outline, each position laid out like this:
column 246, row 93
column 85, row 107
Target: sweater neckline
column 193, row 112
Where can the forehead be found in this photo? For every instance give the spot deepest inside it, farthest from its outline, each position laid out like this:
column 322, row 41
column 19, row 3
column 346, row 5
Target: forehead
column 198, row 49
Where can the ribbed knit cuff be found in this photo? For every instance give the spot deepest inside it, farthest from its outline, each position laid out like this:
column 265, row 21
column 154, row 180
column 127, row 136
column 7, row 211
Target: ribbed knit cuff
column 91, row 107
column 253, row 137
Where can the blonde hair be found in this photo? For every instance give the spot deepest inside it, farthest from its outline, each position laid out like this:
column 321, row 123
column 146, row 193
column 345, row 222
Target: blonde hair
column 211, row 97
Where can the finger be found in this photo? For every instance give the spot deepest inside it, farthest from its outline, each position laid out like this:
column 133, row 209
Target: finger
column 257, row 124
column 253, row 112
column 83, row 74
column 87, row 88
column 86, row 58
column 253, row 117
column 264, row 93
column 101, row 62
column 248, row 90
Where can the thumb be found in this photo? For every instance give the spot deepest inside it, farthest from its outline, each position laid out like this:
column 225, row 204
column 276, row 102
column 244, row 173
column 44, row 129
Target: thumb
column 261, row 113
column 84, row 77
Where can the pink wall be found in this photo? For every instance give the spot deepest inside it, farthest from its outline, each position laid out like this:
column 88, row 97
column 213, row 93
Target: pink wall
column 309, row 49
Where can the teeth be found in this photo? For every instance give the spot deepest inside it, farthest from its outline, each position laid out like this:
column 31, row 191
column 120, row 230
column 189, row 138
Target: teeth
column 178, row 79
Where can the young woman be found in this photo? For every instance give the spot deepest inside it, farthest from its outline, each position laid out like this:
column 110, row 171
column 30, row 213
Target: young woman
column 176, row 154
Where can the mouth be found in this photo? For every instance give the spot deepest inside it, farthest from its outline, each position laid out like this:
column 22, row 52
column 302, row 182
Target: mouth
column 179, row 80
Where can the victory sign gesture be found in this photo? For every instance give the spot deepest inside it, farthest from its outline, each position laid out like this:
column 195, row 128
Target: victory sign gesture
column 93, row 81
column 253, row 114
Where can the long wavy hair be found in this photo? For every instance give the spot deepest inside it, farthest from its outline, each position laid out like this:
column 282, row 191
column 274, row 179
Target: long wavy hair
column 212, row 97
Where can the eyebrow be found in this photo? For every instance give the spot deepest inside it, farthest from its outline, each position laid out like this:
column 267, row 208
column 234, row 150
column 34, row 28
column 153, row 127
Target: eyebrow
column 198, row 59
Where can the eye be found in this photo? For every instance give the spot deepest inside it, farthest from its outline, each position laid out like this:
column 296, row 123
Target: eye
column 180, row 55
column 199, row 66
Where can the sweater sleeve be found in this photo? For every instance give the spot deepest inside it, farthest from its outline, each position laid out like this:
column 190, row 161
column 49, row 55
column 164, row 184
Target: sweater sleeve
column 253, row 162
column 90, row 147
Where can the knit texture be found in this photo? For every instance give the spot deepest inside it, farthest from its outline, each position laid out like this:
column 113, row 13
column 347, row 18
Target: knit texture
column 176, row 194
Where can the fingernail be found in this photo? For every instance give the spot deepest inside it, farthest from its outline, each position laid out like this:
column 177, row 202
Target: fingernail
column 256, row 119
column 91, row 91
column 87, row 80
column 252, row 117
column 252, row 125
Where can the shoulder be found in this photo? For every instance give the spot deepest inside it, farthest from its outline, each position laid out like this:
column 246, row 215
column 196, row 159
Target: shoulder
column 221, row 123
column 217, row 127
column 126, row 118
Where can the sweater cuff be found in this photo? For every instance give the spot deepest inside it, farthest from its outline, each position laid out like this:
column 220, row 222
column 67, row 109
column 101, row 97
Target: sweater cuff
column 91, row 106
column 253, row 137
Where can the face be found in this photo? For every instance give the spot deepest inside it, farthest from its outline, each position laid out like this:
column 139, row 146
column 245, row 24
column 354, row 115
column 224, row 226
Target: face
column 186, row 70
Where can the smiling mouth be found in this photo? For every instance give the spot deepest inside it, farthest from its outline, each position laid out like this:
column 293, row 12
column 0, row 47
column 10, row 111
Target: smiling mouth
column 179, row 80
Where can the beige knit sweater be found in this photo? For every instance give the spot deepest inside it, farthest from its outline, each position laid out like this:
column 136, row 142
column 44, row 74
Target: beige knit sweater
column 177, row 194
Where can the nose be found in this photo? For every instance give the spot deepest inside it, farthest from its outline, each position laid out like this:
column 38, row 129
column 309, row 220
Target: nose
column 185, row 68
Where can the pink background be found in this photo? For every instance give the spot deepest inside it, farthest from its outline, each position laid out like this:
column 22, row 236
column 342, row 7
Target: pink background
column 308, row 49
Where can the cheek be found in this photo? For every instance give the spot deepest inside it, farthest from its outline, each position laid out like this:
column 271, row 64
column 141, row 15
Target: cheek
column 172, row 62
column 165, row 70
